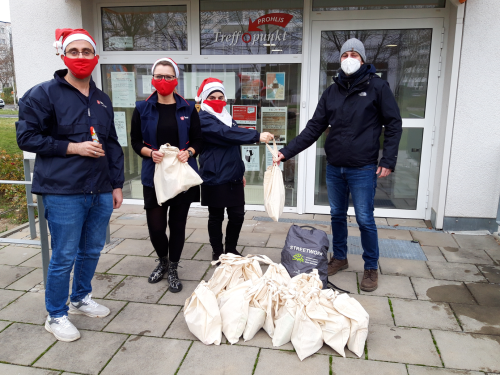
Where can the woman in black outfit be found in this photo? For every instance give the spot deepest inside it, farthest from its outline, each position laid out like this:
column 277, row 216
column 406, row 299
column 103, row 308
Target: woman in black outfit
column 166, row 117
column 221, row 166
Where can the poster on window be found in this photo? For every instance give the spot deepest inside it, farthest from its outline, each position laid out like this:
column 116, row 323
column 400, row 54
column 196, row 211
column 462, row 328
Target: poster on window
column 123, row 89
column 275, row 86
column 193, row 80
column 245, row 114
column 250, row 155
column 250, row 85
column 121, row 128
column 269, row 159
column 274, row 121
column 147, row 86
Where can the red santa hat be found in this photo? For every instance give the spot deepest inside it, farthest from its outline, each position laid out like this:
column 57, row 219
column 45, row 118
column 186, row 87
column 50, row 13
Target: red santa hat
column 70, row 35
column 208, row 86
column 168, row 59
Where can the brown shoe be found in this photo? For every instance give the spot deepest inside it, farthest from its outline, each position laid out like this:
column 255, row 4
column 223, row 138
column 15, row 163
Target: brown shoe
column 336, row 265
column 370, row 281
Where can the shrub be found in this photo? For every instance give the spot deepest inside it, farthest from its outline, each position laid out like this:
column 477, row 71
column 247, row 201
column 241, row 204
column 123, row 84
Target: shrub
column 7, row 96
column 14, row 196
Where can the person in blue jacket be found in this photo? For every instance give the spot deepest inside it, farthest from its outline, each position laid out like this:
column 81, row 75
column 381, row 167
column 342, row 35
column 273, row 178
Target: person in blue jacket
column 221, row 166
column 166, row 117
column 79, row 178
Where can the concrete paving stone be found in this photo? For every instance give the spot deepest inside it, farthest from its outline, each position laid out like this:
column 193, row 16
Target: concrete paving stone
column 255, row 239
column 10, row 274
column 35, row 261
column 344, row 366
column 293, row 215
column 7, row 296
column 466, row 255
column 271, row 227
column 192, row 269
column 420, row 370
column 433, row 254
column 106, row 261
column 179, row 329
column 346, row 281
column 248, row 225
column 132, row 231
column 147, row 355
column 495, row 255
column 21, row 370
column 492, row 273
column 352, row 219
column 424, row 314
column 130, row 209
column 477, row 242
column 126, row 221
column 456, row 271
column 143, row 319
column 231, row 359
column 205, row 252
column 275, row 240
column 377, row 308
column 485, row 294
column 29, row 281
column 211, row 271
column 116, row 215
column 381, row 221
column 3, row 325
column 272, row 362
column 179, row 298
column 199, row 236
column 137, row 289
column 442, row 291
column 13, row 255
column 415, row 223
column 29, row 308
column 322, row 217
column 133, row 247
column 113, row 228
column 87, row 355
column 404, row 267
column 271, row 252
column 102, row 284
column 198, row 212
column 356, row 263
column 262, row 340
column 353, row 232
column 134, row 266
column 189, row 250
column 434, row 239
column 481, row 351
column 392, row 286
column 22, row 343
column 97, row 324
column 478, row 319
column 404, row 345
column 197, row 222
column 394, row 234
column 249, row 215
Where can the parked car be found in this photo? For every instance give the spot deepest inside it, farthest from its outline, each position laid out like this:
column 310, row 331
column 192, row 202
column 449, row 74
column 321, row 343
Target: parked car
column 2, row 104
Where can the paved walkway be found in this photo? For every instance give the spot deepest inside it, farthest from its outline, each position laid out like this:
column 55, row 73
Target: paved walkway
column 439, row 317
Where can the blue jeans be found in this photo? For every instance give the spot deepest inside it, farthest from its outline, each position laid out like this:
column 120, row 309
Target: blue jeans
column 361, row 184
column 77, row 226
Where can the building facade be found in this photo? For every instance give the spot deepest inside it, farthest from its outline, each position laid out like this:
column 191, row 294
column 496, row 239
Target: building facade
column 276, row 57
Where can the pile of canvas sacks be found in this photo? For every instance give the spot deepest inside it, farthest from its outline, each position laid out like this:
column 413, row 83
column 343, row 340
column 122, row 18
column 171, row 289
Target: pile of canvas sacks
column 239, row 300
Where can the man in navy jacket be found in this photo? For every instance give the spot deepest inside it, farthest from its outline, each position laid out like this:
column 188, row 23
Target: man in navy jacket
column 68, row 122
column 356, row 106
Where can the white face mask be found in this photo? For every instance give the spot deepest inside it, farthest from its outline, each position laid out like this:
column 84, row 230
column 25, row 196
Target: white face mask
column 350, row 65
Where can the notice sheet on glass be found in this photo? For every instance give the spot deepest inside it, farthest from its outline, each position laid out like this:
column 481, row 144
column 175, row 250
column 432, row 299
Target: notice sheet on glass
column 250, row 155
column 123, row 89
column 250, row 85
column 275, row 86
column 269, row 159
column 245, row 114
column 274, row 121
column 147, row 86
column 121, row 128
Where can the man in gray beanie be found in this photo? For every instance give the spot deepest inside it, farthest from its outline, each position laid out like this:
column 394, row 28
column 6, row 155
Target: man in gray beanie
column 356, row 106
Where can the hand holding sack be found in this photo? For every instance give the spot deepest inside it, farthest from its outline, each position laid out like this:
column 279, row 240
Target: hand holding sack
column 274, row 189
column 173, row 177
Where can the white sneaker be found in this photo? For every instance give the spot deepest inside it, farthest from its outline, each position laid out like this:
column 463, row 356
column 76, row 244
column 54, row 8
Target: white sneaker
column 62, row 329
column 89, row 307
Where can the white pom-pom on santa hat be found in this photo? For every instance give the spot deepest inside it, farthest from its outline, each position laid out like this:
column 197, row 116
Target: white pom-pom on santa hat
column 70, row 35
column 208, row 86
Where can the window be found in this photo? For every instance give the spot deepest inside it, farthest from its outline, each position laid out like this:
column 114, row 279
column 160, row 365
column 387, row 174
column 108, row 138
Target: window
column 251, row 27
column 329, row 5
column 147, row 28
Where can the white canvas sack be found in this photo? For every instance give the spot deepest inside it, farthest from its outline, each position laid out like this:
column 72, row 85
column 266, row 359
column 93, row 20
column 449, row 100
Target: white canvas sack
column 274, row 189
column 228, row 274
column 202, row 315
column 352, row 309
column 285, row 318
column 336, row 327
column 172, row 177
column 278, row 274
column 256, row 313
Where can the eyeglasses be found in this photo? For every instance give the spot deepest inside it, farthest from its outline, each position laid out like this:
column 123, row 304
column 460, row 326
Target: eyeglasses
column 159, row 77
column 87, row 54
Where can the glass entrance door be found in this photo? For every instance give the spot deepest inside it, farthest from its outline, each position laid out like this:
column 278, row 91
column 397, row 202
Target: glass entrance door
column 406, row 54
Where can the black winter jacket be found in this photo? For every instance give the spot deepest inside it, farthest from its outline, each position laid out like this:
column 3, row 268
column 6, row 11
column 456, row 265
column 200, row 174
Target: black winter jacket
column 356, row 116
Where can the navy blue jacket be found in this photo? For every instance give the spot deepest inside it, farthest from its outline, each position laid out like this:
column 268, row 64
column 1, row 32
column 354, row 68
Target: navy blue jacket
column 356, row 116
column 53, row 114
column 220, row 158
column 149, row 126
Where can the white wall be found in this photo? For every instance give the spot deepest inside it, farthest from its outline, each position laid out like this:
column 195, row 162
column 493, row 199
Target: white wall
column 34, row 23
column 474, row 176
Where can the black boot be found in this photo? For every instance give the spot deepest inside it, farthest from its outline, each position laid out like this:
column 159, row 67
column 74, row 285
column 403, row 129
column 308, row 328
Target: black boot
column 160, row 270
column 175, row 285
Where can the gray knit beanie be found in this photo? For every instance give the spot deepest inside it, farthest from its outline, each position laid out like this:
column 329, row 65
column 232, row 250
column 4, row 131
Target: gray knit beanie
column 355, row 45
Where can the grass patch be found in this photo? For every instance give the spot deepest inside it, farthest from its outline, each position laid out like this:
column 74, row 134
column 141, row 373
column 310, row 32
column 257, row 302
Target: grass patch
column 392, row 311
column 256, row 361
column 437, row 348
column 331, row 365
column 8, row 112
column 8, row 140
column 183, row 358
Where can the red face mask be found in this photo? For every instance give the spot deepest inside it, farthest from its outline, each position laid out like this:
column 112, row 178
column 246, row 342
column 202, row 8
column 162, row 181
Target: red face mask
column 217, row 105
column 164, row 87
column 81, row 68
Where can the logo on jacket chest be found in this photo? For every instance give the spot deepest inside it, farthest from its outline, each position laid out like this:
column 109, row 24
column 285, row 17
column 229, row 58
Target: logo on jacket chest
column 101, row 103
column 184, row 117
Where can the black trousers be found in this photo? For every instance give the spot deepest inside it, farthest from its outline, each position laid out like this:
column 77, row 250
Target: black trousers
column 157, row 226
column 236, row 216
